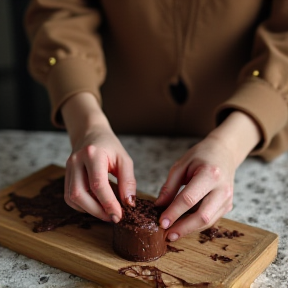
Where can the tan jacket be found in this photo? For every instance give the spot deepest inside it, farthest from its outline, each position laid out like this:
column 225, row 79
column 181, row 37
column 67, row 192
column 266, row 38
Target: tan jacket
column 228, row 55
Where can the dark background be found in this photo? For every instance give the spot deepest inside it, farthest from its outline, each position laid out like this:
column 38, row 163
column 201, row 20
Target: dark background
column 24, row 104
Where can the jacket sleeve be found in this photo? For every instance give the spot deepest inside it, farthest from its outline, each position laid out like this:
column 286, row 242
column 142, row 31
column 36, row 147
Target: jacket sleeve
column 66, row 54
column 263, row 84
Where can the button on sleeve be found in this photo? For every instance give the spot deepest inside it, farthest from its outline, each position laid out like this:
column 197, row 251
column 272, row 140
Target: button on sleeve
column 52, row 61
column 255, row 73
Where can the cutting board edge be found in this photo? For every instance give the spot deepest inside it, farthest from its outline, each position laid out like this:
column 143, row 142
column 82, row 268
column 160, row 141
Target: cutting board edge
column 58, row 171
column 245, row 278
column 29, row 249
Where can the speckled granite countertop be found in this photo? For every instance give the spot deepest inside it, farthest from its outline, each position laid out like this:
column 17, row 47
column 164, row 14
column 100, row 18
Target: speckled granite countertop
column 260, row 197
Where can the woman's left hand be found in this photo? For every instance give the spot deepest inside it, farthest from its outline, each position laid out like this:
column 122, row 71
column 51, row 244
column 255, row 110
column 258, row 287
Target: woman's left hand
column 207, row 170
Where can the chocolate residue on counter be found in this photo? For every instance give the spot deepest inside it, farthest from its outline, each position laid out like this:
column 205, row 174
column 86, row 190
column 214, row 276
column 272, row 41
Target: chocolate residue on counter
column 50, row 206
column 160, row 278
column 213, row 232
column 223, row 259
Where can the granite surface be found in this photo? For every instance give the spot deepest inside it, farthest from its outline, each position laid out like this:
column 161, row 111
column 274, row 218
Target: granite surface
column 260, row 197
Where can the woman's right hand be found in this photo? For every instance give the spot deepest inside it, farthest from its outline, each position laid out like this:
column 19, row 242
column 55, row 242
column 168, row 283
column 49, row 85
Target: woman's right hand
column 96, row 151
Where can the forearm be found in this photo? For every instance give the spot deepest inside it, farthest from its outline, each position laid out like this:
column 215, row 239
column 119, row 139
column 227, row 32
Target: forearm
column 82, row 114
column 239, row 133
column 96, row 152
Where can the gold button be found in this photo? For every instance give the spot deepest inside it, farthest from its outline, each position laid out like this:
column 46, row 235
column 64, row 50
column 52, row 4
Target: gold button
column 52, row 61
column 256, row 73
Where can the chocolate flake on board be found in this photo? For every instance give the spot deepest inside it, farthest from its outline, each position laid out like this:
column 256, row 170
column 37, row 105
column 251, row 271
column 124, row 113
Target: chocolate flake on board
column 225, row 247
column 213, row 232
column 223, row 259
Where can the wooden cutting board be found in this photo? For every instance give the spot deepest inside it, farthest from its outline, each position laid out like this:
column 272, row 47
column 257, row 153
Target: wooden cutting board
column 89, row 253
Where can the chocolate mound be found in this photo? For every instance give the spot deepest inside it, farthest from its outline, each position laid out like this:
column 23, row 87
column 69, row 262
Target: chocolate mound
column 138, row 237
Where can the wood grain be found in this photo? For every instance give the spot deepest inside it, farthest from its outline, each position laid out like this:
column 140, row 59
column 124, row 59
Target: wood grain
column 89, row 253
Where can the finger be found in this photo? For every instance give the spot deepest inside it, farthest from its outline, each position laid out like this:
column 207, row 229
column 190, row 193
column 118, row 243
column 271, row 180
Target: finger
column 172, row 184
column 200, row 185
column 189, row 224
column 79, row 195
column 100, row 187
column 126, row 182
column 210, row 211
column 66, row 189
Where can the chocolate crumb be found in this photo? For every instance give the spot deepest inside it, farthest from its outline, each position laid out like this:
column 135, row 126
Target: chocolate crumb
column 225, row 247
column 43, row 279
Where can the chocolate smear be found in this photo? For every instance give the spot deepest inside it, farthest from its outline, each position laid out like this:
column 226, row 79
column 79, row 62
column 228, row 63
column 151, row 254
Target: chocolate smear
column 49, row 205
column 160, row 278
column 173, row 249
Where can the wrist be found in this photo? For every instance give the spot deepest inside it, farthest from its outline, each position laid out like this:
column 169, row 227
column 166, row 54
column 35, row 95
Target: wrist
column 82, row 114
column 239, row 133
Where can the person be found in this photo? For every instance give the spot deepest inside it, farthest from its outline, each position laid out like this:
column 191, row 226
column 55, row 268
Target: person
column 212, row 69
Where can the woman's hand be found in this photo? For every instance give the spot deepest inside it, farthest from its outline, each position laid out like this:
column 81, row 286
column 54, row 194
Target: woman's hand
column 96, row 151
column 208, row 171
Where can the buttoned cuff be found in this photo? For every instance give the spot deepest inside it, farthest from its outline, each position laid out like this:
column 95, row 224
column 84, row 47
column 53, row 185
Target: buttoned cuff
column 263, row 104
column 66, row 78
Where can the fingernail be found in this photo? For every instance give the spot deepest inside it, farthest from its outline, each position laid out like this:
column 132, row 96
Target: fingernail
column 165, row 223
column 115, row 218
column 173, row 236
column 131, row 200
